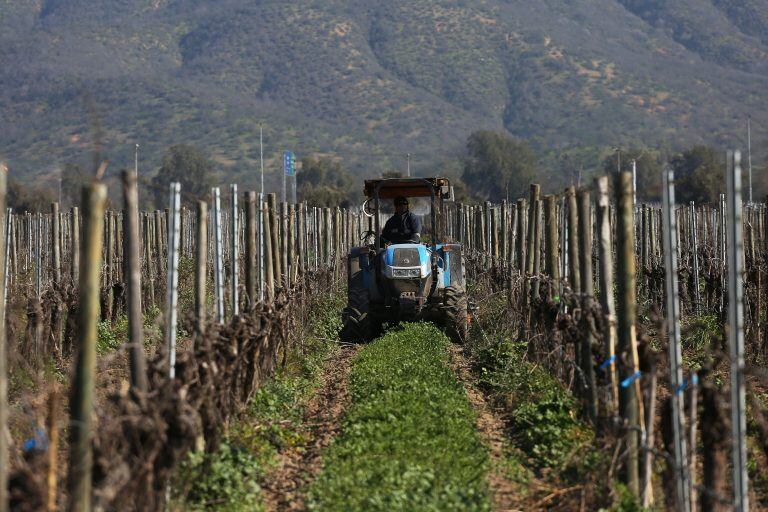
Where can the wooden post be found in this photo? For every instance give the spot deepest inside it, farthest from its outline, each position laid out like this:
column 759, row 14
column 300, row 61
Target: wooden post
column 81, row 402
column 133, row 275
column 250, row 249
column 284, row 263
column 269, row 260
column 4, row 459
column 56, row 240
column 530, row 255
column 588, row 295
column 574, row 277
column 551, row 245
column 302, row 232
column 291, row 246
column 277, row 269
column 605, row 260
column 627, row 349
column 201, row 267
column 521, row 241
column 537, row 251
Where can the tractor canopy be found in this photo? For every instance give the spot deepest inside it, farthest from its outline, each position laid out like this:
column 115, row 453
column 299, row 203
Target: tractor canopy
column 390, row 188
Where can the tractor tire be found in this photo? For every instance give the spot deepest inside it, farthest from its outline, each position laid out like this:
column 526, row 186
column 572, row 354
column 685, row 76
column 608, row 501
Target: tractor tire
column 453, row 312
column 356, row 324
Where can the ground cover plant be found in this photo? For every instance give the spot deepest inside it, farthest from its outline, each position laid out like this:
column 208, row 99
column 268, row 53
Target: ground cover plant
column 230, row 478
column 409, row 440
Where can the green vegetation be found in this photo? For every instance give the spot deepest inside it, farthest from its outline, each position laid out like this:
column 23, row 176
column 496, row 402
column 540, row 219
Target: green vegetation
column 543, row 421
column 699, row 174
column 324, row 182
column 228, row 479
column 188, row 166
column 409, row 440
column 498, row 166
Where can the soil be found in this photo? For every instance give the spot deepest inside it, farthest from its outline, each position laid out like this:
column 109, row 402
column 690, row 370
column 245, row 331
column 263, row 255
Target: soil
column 491, row 428
column 285, row 486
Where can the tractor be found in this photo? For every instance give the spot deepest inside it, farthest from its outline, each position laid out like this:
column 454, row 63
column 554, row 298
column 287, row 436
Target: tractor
column 388, row 283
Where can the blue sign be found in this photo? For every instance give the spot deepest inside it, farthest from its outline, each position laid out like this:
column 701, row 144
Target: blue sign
column 289, row 163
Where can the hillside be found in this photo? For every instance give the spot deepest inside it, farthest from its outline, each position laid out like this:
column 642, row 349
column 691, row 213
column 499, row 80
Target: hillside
column 370, row 81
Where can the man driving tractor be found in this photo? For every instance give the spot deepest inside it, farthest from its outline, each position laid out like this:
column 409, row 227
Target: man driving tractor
column 403, row 227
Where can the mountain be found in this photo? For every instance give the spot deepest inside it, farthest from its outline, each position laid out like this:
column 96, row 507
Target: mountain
column 369, row 81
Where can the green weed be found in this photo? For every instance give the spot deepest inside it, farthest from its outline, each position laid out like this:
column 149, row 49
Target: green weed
column 225, row 480
column 409, row 439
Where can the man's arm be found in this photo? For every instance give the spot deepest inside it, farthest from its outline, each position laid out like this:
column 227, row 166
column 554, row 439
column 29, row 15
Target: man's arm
column 386, row 233
column 415, row 228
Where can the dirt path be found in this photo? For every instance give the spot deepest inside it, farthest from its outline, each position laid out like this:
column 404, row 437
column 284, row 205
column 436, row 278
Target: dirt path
column 285, row 485
column 491, row 428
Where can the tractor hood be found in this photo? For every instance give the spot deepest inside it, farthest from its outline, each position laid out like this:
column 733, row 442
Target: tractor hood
column 407, row 261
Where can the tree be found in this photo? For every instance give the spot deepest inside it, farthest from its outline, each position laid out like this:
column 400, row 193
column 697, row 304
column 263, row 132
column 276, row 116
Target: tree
column 699, row 175
column 73, row 178
column 188, row 166
column 648, row 171
column 28, row 198
column 498, row 166
column 324, row 182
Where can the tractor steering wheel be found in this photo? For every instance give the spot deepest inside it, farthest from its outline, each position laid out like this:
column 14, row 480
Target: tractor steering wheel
column 368, row 209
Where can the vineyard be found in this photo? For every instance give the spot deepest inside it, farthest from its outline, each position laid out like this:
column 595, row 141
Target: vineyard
column 190, row 358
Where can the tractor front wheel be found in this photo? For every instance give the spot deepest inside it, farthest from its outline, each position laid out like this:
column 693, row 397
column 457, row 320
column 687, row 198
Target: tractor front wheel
column 454, row 313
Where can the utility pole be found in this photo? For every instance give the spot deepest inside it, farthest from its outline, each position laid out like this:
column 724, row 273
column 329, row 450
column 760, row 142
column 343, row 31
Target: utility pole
column 749, row 155
column 261, row 155
column 408, row 167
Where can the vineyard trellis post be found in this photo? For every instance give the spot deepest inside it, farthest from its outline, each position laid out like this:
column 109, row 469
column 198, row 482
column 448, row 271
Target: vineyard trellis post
column 81, row 403
column 521, row 236
column 55, row 236
column 39, row 257
column 235, row 247
column 605, row 276
column 627, row 350
column 250, row 248
column 695, row 260
column 736, row 331
column 587, row 291
column 133, row 277
column 268, row 259
column 172, row 283
column 218, row 256
column 4, row 459
column 201, row 267
column 682, row 481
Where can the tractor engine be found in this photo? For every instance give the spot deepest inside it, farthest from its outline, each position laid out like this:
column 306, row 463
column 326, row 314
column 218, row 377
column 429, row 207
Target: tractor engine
column 406, row 275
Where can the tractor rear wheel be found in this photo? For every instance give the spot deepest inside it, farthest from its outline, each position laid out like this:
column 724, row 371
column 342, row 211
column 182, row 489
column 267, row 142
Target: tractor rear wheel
column 454, row 315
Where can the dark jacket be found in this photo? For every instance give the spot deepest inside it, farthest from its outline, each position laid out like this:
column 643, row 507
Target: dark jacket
column 402, row 229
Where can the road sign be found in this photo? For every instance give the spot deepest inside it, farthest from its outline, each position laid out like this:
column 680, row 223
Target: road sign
column 289, row 163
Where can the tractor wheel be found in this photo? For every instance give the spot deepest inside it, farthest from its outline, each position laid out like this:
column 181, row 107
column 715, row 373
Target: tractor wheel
column 454, row 314
column 356, row 325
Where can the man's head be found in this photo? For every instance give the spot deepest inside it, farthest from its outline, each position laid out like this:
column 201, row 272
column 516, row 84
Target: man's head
column 401, row 204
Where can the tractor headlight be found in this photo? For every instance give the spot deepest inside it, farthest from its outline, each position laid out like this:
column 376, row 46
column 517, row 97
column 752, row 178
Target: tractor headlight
column 406, row 272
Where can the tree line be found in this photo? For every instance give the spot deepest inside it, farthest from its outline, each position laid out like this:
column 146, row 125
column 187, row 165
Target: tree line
column 494, row 166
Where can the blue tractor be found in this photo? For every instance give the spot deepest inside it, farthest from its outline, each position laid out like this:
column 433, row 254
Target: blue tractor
column 388, row 283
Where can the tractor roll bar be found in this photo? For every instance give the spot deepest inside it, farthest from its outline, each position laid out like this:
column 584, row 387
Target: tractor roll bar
column 377, row 222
